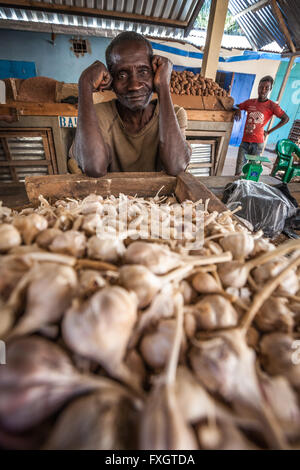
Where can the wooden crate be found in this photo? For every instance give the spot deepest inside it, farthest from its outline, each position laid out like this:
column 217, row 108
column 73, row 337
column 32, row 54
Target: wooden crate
column 184, row 186
column 24, row 151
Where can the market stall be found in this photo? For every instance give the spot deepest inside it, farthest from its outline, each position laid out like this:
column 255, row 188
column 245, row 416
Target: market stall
column 52, row 123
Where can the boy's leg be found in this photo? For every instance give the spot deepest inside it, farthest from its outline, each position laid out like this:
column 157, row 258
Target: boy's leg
column 241, row 160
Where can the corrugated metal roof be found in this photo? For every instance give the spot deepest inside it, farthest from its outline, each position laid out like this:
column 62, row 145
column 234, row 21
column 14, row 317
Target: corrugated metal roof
column 261, row 26
column 157, row 17
column 230, row 41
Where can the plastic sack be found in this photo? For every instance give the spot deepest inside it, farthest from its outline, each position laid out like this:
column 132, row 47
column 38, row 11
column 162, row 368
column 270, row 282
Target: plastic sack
column 264, row 206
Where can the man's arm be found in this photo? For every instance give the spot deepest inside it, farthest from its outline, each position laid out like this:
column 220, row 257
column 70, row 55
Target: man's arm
column 237, row 112
column 174, row 152
column 283, row 120
column 89, row 147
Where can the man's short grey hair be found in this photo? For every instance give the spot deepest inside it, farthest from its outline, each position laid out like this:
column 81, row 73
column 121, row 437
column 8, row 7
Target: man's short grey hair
column 122, row 37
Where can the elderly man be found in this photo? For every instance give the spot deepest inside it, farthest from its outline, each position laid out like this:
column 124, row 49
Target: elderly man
column 259, row 112
column 133, row 132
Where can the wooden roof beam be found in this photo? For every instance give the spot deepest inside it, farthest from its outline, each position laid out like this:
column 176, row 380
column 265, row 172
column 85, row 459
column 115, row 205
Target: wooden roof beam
column 282, row 25
column 93, row 12
column 197, row 9
column 256, row 6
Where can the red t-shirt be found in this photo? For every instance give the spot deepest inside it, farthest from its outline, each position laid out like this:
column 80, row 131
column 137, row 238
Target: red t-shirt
column 258, row 114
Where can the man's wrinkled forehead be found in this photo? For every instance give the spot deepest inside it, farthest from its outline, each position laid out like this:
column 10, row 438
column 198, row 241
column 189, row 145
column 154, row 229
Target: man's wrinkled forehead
column 130, row 52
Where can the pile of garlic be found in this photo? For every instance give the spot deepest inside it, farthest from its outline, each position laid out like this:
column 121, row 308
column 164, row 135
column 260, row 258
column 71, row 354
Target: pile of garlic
column 136, row 343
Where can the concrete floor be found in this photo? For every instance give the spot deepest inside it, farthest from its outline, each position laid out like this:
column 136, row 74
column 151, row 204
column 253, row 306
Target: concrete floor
column 230, row 161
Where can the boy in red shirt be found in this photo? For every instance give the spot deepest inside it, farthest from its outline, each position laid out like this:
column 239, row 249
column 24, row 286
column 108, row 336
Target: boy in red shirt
column 259, row 112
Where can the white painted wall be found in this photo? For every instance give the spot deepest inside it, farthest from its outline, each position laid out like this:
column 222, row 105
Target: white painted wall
column 260, row 68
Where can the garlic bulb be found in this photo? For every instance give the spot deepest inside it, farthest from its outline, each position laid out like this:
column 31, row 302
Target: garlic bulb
column 214, row 312
column 71, row 243
column 90, row 281
column 37, row 380
column 224, row 436
column 48, row 296
column 155, row 346
column 91, row 204
column 252, row 338
column 29, row 226
column 162, row 306
column 106, row 250
column 275, row 315
column 205, row 283
column 289, row 285
column 91, row 223
column 46, row 237
column 278, row 391
column 262, row 245
column 9, row 237
column 160, row 259
column 239, row 244
column 190, row 324
column 81, row 424
column 107, row 319
column 280, row 357
column 188, row 292
column 145, row 284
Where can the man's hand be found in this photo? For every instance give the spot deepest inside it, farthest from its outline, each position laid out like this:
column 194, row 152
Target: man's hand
column 97, row 76
column 237, row 114
column 266, row 133
column 162, row 68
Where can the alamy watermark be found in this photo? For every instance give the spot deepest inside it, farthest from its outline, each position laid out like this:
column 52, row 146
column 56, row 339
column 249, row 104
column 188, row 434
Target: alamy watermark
column 183, row 222
column 2, row 353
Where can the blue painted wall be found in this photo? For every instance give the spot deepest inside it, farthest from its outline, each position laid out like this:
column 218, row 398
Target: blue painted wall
column 290, row 101
column 55, row 61
column 17, row 69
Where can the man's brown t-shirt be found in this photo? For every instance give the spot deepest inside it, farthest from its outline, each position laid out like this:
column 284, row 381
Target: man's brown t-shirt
column 132, row 152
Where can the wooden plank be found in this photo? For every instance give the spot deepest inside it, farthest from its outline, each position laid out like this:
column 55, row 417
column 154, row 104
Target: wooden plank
column 187, row 101
column 211, row 103
column 47, row 152
column 63, row 90
column 25, row 163
column 64, row 109
column 7, row 152
column 200, row 165
column 41, row 109
column 94, row 12
column 55, row 187
column 189, row 187
column 52, row 151
column 227, row 102
column 214, row 116
column 13, row 88
column 8, row 113
column 21, row 132
column 193, row 18
column 207, row 133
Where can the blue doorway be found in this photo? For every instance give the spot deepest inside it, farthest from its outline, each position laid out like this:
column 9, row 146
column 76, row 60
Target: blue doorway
column 240, row 91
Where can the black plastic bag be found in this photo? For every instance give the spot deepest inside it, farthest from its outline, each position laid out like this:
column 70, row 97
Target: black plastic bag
column 264, row 206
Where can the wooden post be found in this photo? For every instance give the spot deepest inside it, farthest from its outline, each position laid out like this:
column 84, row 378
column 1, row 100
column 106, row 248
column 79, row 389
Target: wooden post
column 215, row 30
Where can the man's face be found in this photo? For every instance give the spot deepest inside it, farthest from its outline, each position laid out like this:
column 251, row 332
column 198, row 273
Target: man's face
column 132, row 75
column 264, row 89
